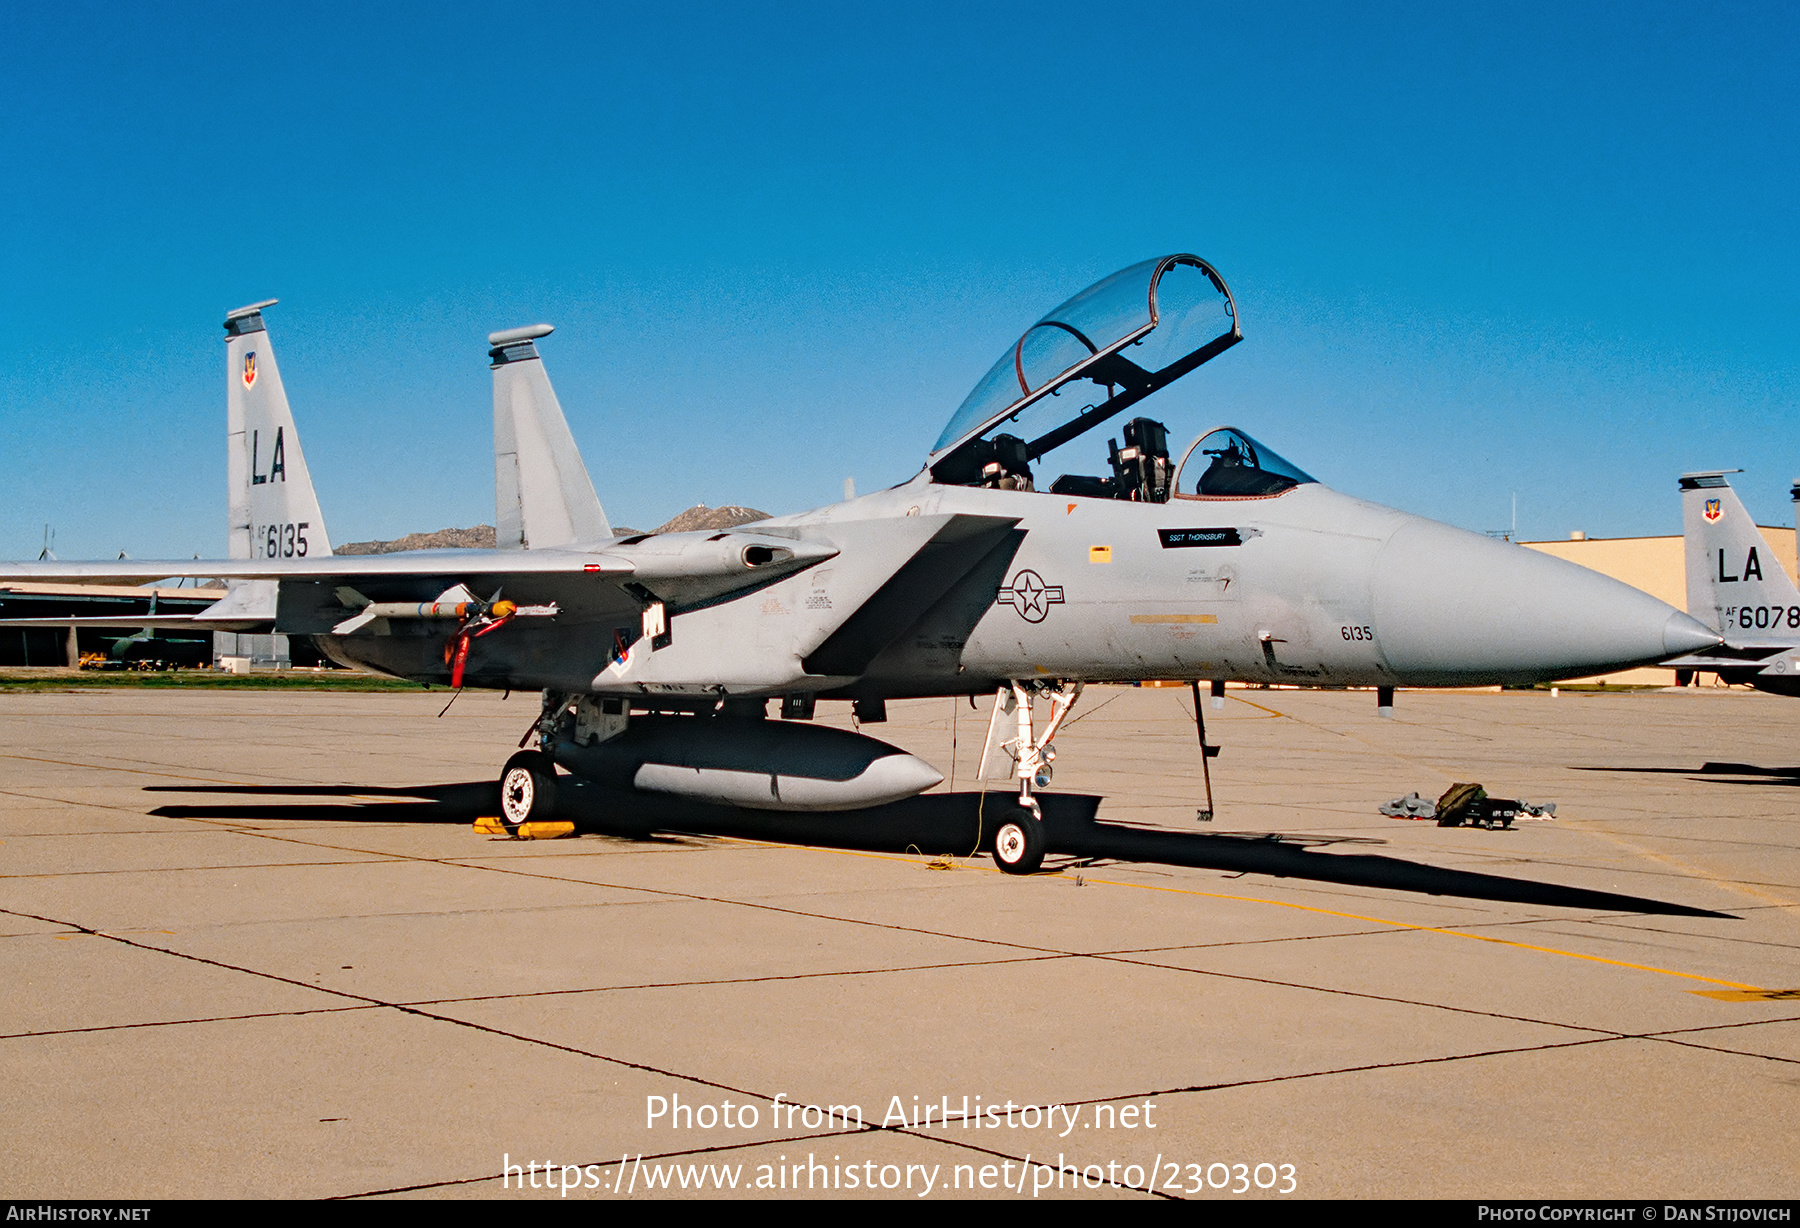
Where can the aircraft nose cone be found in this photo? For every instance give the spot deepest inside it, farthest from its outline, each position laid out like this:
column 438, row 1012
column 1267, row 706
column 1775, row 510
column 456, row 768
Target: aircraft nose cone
column 1456, row 608
column 1682, row 635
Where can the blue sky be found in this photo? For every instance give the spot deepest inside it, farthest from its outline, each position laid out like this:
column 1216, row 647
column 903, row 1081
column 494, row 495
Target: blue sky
column 1543, row 250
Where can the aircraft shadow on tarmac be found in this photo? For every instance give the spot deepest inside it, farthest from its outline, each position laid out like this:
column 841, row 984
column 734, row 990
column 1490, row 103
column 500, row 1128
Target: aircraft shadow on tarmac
column 1718, row 773
column 958, row 824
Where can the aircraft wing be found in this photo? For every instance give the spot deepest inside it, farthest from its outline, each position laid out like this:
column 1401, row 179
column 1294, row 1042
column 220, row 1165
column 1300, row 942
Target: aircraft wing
column 345, row 568
column 681, row 568
column 687, row 560
column 814, row 635
column 1728, row 656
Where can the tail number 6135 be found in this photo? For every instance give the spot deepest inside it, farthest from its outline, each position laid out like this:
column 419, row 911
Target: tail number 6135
column 282, row 541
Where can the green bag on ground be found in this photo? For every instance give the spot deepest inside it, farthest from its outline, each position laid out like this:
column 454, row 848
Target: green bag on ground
column 1455, row 803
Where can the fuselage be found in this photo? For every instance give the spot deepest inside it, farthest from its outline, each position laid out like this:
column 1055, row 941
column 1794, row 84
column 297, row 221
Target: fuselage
column 1308, row 586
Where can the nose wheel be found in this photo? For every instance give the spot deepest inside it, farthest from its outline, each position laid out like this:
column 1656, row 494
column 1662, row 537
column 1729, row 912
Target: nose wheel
column 1019, row 842
column 527, row 789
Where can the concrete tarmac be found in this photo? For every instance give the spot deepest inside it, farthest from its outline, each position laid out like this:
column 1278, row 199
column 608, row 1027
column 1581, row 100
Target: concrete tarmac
column 253, row 948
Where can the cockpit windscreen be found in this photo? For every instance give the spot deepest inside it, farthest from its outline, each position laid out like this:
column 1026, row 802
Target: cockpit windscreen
column 1229, row 464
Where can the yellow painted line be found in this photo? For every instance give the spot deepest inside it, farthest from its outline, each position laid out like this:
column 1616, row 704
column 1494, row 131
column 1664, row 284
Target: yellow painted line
column 1738, row 991
column 1174, row 618
column 1689, row 868
column 973, row 861
column 1685, row 867
column 1259, row 707
column 1433, row 929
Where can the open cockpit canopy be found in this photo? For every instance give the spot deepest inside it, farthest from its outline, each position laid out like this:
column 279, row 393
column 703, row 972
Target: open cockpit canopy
column 1090, row 359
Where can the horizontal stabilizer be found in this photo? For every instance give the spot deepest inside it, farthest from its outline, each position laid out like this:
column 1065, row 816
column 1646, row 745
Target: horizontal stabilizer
column 192, row 622
column 248, row 605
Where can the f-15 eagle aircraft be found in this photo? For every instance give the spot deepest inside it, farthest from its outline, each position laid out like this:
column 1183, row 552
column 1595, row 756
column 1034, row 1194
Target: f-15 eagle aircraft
column 1736, row 584
column 657, row 654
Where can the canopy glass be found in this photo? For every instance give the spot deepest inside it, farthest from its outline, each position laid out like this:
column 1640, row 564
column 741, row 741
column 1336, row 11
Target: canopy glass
column 1117, row 341
column 1227, row 463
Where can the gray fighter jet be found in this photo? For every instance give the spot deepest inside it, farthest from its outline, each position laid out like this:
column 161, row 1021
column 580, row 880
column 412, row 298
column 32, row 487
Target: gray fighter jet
column 659, row 654
column 1736, row 585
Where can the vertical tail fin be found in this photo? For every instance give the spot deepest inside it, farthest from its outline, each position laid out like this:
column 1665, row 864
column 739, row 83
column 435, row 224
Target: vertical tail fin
column 1735, row 583
column 542, row 493
column 274, row 512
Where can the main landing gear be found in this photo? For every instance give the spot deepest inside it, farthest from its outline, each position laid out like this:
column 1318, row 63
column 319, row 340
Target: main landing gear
column 1020, row 844
column 528, row 781
column 527, row 790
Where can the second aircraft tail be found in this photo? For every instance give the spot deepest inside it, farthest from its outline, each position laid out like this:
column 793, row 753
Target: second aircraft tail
column 1735, row 583
column 274, row 512
column 542, row 493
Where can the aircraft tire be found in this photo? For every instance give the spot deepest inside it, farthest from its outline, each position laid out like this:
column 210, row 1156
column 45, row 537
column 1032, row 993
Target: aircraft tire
column 527, row 789
column 1019, row 842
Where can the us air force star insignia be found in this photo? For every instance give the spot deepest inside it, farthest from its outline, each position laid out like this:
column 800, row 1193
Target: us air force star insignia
column 1030, row 596
column 1713, row 511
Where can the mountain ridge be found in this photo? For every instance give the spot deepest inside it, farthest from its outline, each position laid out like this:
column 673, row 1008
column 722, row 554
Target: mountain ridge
column 481, row 536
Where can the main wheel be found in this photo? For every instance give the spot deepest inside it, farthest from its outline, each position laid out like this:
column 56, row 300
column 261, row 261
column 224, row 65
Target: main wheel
column 527, row 789
column 1019, row 844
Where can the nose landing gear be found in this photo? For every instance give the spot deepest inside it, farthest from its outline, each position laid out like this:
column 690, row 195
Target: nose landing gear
column 1020, row 844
